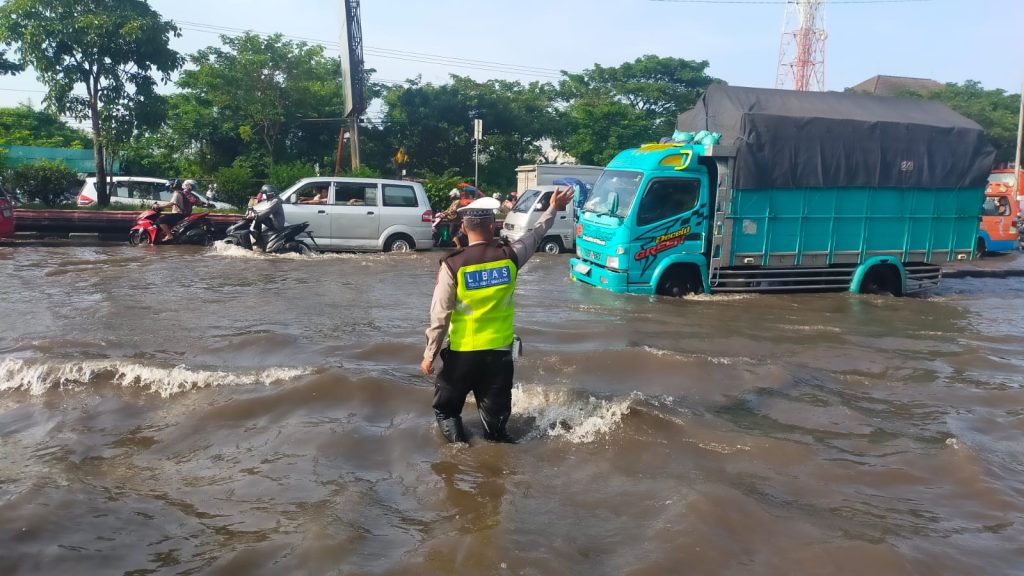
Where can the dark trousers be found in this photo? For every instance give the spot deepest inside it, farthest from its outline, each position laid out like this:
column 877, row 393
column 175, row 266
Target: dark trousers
column 485, row 373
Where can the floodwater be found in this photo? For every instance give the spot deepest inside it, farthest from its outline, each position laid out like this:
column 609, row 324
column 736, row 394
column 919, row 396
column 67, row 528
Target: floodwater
column 180, row 410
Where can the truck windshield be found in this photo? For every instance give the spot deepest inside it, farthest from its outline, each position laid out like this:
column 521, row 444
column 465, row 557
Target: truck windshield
column 526, row 201
column 613, row 194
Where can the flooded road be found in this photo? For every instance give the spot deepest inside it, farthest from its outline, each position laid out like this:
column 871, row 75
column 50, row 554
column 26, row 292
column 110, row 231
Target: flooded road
column 181, row 410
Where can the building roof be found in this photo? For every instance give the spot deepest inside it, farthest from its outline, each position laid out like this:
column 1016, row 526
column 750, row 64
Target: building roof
column 894, row 85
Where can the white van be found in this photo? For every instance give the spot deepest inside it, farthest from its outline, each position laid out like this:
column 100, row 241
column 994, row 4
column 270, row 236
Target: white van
column 527, row 211
column 346, row 214
column 139, row 191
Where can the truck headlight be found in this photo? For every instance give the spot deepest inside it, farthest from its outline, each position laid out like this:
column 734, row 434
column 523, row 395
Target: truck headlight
column 612, row 262
column 579, row 251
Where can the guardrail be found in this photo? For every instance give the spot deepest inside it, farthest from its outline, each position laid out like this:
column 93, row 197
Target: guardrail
column 113, row 224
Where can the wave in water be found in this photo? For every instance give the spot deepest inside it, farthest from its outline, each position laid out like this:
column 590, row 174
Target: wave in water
column 220, row 248
column 574, row 416
column 36, row 377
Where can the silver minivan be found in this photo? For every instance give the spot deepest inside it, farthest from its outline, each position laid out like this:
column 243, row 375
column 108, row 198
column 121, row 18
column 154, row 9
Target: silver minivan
column 527, row 211
column 371, row 214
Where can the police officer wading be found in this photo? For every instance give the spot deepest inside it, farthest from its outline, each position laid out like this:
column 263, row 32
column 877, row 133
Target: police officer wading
column 473, row 303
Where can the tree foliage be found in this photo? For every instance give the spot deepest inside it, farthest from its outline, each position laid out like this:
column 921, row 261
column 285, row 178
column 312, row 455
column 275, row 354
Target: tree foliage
column 117, row 50
column 434, row 125
column 258, row 97
column 604, row 110
column 995, row 110
column 235, row 184
column 24, row 126
column 45, row 182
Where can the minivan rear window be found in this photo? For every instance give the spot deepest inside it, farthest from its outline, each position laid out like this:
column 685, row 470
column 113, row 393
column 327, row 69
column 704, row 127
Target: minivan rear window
column 400, row 196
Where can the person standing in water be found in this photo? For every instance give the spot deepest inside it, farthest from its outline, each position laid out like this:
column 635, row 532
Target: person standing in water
column 473, row 304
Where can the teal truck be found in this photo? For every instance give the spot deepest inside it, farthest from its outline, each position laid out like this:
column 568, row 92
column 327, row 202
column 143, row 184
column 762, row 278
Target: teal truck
column 802, row 191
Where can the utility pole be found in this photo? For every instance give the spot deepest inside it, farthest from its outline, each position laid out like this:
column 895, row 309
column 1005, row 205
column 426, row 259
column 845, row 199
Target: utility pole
column 352, row 73
column 1016, row 161
column 478, row 133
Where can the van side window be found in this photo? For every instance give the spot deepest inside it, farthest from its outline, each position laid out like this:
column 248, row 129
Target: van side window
column 667, row 197
column 400, row 196
column 355, row 194
column 123, row 191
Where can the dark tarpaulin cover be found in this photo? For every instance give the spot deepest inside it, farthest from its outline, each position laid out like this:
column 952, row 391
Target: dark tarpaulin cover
column 788, row 139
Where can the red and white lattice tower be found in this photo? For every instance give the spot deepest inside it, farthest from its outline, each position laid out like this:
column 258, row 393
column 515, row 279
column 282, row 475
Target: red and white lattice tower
column 802, row 50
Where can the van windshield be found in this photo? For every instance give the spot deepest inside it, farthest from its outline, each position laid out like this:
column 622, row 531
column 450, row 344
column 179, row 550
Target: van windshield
column 613, row 194
column 526, row 201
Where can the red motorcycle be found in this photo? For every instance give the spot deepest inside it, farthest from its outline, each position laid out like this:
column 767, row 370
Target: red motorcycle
column 194, row 229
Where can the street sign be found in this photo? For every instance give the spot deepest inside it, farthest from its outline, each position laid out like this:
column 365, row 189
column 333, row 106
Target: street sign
column 478, row 129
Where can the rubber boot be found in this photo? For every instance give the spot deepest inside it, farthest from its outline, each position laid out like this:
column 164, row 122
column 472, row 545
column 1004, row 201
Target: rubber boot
column 494, row 427
column 452, row 429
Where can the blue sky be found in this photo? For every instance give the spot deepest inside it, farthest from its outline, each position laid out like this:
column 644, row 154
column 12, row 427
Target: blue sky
column 945, row 40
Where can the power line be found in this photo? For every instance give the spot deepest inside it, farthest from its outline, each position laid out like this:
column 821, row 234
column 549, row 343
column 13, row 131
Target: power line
column 777, row 2
column 390, row 53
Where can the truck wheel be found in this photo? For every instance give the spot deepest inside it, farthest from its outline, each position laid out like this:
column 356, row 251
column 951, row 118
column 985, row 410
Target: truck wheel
column 551, row 246
column 883, row 279
column 399, row 243
column 678, row 281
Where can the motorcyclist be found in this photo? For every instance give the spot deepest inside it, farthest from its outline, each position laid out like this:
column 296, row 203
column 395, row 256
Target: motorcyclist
column 180, row 208
column 268, row 211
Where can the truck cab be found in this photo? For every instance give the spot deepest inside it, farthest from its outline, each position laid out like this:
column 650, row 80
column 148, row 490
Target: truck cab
column 999, row 220
column 647, row 213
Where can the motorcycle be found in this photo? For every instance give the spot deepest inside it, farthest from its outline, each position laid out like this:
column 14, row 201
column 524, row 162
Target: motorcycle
column 444, row 231
column 194, row 229
column 263, row 228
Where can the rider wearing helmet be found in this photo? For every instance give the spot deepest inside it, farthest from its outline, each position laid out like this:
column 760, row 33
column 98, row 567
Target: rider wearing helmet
column 268, row 210
column 179, row 206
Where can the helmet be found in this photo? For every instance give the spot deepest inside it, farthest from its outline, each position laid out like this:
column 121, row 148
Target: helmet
column 175, row 184
column 191, row 184
column 454, row 193
column 267, row 192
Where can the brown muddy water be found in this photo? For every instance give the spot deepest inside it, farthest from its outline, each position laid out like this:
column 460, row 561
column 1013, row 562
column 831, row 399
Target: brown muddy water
column 204, row 411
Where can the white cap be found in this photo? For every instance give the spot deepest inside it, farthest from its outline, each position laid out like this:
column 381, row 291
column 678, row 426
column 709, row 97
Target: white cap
column 480, row 208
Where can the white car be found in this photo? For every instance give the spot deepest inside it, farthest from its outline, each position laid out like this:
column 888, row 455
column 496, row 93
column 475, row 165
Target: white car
column 356, row 214
column 139, row 191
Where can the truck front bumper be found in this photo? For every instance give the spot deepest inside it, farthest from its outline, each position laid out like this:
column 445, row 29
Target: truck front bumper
column 595, row 275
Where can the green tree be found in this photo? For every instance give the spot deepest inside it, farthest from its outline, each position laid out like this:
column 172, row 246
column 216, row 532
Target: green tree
column 23, row 126
column 45, row 182
column 259, row 97
column 6, row 66
column 434, row 124
column 235, row 184
column 995, row 110
column 116, row 49
column 606, row 109
column 282, row 176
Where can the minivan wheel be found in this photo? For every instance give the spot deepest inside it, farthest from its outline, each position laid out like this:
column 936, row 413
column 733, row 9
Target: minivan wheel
column 551, row 246
column 399, row 243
